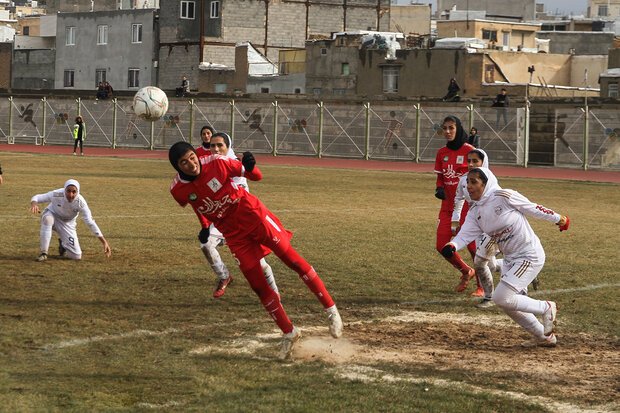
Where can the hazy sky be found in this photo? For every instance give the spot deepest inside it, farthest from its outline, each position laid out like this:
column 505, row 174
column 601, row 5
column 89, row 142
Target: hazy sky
column 561, row 6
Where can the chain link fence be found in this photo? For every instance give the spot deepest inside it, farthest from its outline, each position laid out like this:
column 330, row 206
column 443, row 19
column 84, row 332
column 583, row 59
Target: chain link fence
column 570, row 137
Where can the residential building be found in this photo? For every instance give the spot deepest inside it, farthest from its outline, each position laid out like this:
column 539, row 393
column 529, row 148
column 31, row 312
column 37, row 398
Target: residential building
column 580, row 43
column 517, row 11
column 194, row 32
column 496, row 34
column 115, row 46
column 34, row 55
column 411, row 19
column 604, row 9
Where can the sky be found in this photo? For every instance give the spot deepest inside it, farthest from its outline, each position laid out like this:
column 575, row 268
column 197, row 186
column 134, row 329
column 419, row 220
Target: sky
column 561, row 6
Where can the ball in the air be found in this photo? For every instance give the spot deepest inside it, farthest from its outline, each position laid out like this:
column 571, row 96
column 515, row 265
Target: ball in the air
column 150, row 103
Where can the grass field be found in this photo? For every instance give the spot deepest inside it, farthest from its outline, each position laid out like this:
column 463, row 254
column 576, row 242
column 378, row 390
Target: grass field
column 141, row 332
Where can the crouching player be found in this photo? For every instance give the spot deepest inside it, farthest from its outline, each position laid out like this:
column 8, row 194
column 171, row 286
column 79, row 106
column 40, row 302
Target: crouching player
column 250, row 229
column 500, row 213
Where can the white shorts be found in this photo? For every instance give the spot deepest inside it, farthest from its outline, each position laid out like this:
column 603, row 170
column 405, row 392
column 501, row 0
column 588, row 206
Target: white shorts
column 66, row 231
column 486, row 247
column 520, row 273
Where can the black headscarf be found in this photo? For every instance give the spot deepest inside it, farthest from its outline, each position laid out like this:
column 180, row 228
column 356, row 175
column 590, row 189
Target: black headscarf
column 461, row 136
column 175, row 153
column 204, row 144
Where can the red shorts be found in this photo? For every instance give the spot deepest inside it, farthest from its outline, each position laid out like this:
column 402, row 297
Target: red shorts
column 269, row 235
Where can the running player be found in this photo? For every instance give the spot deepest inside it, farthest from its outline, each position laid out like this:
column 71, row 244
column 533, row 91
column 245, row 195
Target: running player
column 60, row 215
column 251, row 230
column 501, row 214
column 485, row 262
column 450, row 165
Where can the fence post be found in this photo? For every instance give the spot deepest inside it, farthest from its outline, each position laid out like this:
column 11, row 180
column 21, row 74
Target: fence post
column 232, row 119
column 470, row 108
column 10, row 138
column 417, row 108
column 152, row 140
column 44, row 100
column 275, row 128
column 114, row 118
column 586, row 133
column 191, row 121
column 367, row 132
column 320, row 146
column 526, row 143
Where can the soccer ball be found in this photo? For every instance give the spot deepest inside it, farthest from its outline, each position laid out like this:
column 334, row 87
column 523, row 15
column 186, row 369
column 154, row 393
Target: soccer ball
column 150, row 103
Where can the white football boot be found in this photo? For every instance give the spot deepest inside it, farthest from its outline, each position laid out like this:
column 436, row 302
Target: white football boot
column 548, row 318
column 335, row 322
column 288, row 341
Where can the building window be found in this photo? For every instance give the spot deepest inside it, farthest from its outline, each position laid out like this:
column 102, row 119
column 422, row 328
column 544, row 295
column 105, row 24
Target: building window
column 221, row 87
column 506, row 39
column 215, row 10
column 390, row 79
column 69, row 78
column 612, row 90
column 264, row 90
column 188, row 9
column 100, row 76
column 490, row 35
column 602, row 10
column 344, row 69
column 133, row 78
column 26, row 31
column 316, row 91
column 323, row 51
column 297, row 90
column 70, row 36
column 136, row 33
column 102, row 34
column 339, row 92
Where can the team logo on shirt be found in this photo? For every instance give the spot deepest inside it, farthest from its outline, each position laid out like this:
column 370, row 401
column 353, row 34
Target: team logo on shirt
column 498, row 210
column 445, row 158
column 193, row 197
column 214, row 184
column 460, row 159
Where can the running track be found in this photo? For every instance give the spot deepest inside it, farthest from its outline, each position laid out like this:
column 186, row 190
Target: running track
column 404, row 166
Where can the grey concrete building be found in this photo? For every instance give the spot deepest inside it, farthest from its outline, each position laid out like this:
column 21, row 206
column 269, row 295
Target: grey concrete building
column 579, row 43
column 522, row 10
column 115, row 46
column 194, row 31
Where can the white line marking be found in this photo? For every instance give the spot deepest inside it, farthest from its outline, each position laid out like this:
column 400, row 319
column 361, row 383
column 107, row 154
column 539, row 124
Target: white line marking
column 131, row 334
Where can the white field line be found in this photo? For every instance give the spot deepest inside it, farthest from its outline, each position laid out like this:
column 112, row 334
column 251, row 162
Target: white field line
column 406, row 316
column 172, row 403
column 370, row 374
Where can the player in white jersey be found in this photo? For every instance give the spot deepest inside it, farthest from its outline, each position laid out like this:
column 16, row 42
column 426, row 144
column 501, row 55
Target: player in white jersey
column 60, row 215
column 501, row 214
column 485, row 262
column 221, row 144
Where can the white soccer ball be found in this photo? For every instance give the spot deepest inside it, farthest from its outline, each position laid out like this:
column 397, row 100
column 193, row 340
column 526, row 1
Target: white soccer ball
column 150, row 103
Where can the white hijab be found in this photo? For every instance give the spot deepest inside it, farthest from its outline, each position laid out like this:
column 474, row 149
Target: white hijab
column 75, row 183
column 491, row 186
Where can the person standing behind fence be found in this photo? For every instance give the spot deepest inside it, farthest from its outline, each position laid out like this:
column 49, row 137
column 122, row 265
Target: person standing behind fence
column 501, row 103
column 474, row 138
column 79, row 134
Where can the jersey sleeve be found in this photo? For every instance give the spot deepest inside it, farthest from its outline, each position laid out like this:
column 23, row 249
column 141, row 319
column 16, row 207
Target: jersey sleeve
column 42, row 198
column 87, row 216
column 525, row 206
column 204, row 222
column 438, row 169
column 469, row 231
column 459, row 201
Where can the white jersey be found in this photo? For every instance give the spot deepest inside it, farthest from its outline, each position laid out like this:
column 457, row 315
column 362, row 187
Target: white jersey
column 462, row 195
column 502, row 216
column 68, row 211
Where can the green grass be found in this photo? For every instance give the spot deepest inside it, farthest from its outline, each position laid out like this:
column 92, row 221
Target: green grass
column 369, row 234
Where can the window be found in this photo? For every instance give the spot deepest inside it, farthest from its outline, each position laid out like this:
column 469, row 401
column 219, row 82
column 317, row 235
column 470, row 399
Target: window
column 133, row 78
column 102, row 34
column 339, row 92
column 70, row 36
column 264, row 90
column 490, row 35
column 316, row 91
column 612, row 90
column 506, row 39
column 26, row 31
column 297, row 90
column 602, row 10
column 323, row 51
column 69, row 78
column 344, row 69
column 390, row 79
column 188, row 9
column 215, row 10
column 100, row 76
column 221, row 87
column 136, row 33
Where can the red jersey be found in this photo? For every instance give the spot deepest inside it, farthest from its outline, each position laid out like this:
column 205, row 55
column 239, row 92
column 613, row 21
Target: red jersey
column 215, row 197
column 202, row 151
column 450, row 165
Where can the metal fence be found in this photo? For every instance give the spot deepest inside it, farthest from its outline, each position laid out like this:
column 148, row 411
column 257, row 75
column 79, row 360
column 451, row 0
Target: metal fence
column 576, row 137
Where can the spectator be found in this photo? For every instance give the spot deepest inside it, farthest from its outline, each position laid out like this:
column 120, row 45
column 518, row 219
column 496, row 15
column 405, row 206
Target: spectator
column 474, row 138
column 101, row 92
column 501, row 103
column 183, row 90
column 108, row 90
column 453, row 92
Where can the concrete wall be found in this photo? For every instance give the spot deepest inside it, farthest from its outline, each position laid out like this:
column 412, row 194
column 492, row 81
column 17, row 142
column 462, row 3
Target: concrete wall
column 553, row 68
column 522, row 10
column 614, row 59
column 6, row 53
column 595, row 65
column 413, row 18
column 523, row 35
column 324, row 71
column 116, row 57
column 75, row 6
column 583, row 43
column 283, row 84
column 31, row 42
column 33, row 69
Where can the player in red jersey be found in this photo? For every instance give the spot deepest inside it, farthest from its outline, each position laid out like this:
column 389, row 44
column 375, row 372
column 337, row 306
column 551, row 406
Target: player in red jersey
column 450, row 165
column 250, row 229
column 205, row 135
